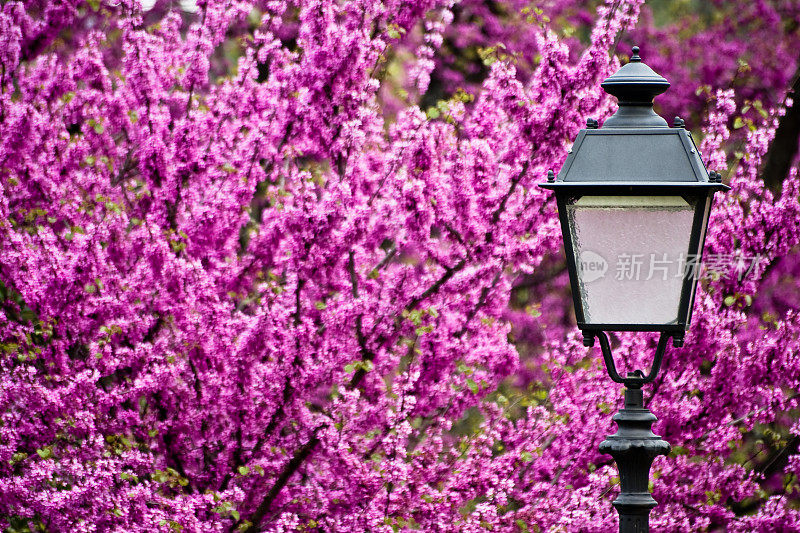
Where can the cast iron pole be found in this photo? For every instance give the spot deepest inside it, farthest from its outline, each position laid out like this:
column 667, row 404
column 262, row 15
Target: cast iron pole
column 634, row 447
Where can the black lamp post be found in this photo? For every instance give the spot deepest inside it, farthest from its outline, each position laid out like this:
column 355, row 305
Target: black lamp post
column 634, row 193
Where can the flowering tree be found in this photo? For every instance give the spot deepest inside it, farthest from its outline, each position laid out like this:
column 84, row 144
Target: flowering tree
column 244, row 290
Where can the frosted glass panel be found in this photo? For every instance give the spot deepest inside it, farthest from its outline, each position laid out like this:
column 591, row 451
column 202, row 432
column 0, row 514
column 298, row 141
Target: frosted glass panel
column 699, row 252
column 631, row 254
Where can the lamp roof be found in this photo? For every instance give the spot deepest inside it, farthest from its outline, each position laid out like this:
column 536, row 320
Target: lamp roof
column 657, row 155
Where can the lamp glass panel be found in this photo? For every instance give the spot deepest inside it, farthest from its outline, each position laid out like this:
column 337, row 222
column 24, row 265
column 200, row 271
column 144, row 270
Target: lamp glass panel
column 693, row 270
column 630, row 254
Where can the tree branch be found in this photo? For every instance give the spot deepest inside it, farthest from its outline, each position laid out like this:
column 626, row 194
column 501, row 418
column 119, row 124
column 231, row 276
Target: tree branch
column 514, row 183
column 298, row 459
column 433, row 289
column 481, row 302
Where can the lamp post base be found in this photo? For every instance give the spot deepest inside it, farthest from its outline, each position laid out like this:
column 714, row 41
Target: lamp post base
column 633, row 447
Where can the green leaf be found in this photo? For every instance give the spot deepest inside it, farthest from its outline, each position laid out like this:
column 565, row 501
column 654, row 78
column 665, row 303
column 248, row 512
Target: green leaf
column 533, row 310
column 235, row 514
column 488, row 55
column 243, row 470
column 433, row 113
column 423, row 330
column 738, row 123
column 472, row 385
column 44, row 453
column 463, row 96
column 394, row 31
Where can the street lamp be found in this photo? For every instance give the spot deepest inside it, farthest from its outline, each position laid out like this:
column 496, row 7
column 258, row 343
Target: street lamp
column 634, row 194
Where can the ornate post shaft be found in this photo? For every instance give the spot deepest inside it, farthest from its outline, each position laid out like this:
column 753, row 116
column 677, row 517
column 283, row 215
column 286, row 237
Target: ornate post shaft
column 634, row 447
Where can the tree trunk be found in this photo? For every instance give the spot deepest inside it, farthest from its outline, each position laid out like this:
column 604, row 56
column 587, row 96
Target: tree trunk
column 784, row 146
